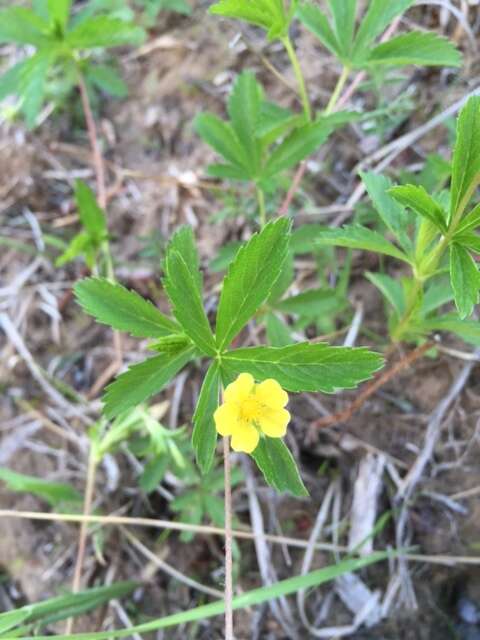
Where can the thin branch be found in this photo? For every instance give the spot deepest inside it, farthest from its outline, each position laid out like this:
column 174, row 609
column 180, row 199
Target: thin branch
column 377, row 383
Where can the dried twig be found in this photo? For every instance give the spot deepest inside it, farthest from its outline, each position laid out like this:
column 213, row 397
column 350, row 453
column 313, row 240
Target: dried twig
column 377, row 383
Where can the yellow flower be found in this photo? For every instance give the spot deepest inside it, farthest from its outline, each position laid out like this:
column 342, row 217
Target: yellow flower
column 250, row 409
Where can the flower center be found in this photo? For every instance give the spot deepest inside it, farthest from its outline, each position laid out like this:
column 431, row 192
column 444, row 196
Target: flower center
column 250, row 410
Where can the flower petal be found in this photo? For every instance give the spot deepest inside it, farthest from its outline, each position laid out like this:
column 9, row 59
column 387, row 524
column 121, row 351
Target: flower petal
column 240, row 389
column 226, row 419
column 274, row 423
column 245, row 438
column 270, row 393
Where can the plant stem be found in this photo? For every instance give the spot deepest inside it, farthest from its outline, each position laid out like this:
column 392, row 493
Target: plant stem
column 299, row 76
column 332, row 103
column 82, row 538
column 93, row 137
column 261, row 207
column 98, row 165
column 228, row 543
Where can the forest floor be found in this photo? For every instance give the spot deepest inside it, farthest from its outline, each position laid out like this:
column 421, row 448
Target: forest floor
column 411, row 450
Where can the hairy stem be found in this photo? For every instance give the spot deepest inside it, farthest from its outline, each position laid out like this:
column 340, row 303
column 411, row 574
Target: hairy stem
column 228, row 543
column 82, row 538
column 332, row 103
column 299, row 76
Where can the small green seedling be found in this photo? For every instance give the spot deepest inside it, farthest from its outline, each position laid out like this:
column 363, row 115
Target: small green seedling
column 64, row 43
column 435, row 235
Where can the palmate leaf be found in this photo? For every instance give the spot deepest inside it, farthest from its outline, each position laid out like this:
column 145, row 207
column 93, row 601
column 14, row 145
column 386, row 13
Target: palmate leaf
column 143, row 380
column 313, row 303
column 221, row 137
column 467, row 330
column 183, row 286
column 317, row 22
column 417, row 199
column 426, row 49
column 304, row 366
column 59, row 11
column 124, row 310
column 466, row 157
column 377, row 18
column 22, row 26
column 204, row 436
column 244, row 107
column 104, row 31
column 465, row 279
column 106, row 79
column 32, row 82
column 268, row 14
column 301, row 143
column 278, row 467
column 391, row 212
column 391, row 290
column 471, row 221
column 344, row 13
column 358, row 237
column 250, row 279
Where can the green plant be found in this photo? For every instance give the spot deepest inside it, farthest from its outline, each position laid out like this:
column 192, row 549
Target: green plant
column 64, row 44
column 249, row 282
column 435, row 234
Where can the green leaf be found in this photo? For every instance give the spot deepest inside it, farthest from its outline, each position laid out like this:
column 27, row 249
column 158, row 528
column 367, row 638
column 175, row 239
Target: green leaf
column 358, row 237
column 466, row 157
column 298, row 145
column 54, row 493
column 317, row 22
column 91, row 215
column 225, row 256
column 246, row 600
column 467, row 330
column 221, row 137
column 391, row 290
column 250, row 279
column 417, row 199
column 305, row 366
column 124, row 310
column 426, row 49
column 183, row 285
column 278, row 334
column 344, row 13
column 10, row 80
column 465, row 280
column 304, row 238
column 471, row 221
column 11, row 619
column 391, row 212
column 22, row 26
column 275, row 122
column 438, row 293
column 33, row 77
column 62, row 607
column 104, row 31
column 204, row 437
column 79, row 245
column 107, row 79
column 228, row 172
column 59, row 11
column 378, row 17
column 244, row 110
column 142, row 381
column 278, row 466
column 313, row 303
column 268, row 14
column 470, row 241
